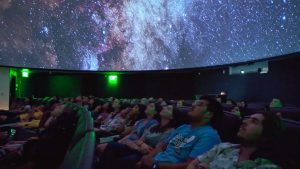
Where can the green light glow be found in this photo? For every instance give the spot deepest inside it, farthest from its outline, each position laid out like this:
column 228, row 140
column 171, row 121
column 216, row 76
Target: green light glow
column 112, row 81
column 112, row 77
column 25, row 72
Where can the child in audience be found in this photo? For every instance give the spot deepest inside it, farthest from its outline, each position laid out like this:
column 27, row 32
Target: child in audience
column 126, row 156
column 188, row 141
column 254, row 134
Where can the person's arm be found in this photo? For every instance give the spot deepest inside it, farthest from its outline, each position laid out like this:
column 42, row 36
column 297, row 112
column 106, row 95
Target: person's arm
column 159, row 148
column 175, row 166
column 204, row 159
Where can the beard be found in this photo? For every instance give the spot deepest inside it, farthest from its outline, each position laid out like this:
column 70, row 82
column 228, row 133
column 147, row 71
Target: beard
column 193, row 119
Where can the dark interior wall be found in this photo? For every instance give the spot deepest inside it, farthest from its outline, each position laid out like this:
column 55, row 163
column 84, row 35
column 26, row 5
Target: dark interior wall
column 171, row 86
column 175, row 86
column 282, row 81
column 42, row 85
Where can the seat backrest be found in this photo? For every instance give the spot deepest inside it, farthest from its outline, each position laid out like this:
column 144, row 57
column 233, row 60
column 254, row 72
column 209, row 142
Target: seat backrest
column 180, row 115
column 287, row 147
column 81, row 149
column 292, row 113
column 229, row 127
column 81, row 155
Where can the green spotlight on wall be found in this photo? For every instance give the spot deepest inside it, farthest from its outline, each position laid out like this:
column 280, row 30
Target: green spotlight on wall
column 112, row 80
column 25, row 73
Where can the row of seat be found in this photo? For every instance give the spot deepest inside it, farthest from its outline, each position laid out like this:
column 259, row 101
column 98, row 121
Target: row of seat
column 81, row 149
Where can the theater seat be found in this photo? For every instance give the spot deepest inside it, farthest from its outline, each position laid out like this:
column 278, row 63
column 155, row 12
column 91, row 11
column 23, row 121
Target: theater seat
column 188, row 103
column 180, row 115
column 288, row 146
column 229, row 127
column 292, row 113
column 81, row 149
column 227, row 107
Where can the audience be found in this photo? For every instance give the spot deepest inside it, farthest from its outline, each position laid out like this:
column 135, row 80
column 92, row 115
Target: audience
column 127, row 154
column 115, row 123
column 188, row 141
column 135, row 114
column 255, row 134
column 138, row 130
column 142, row 137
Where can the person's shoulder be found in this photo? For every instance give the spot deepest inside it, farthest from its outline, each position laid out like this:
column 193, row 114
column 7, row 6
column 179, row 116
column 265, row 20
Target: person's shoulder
column 207, row 130
column 182, row 127
column 226, row 145
column 154, row 121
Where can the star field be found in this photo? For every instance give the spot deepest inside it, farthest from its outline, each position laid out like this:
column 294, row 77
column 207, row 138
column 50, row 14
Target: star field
column 144, row 34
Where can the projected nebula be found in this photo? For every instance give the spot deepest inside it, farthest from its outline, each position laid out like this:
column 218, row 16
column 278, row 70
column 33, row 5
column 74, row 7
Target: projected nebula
column 145, row 34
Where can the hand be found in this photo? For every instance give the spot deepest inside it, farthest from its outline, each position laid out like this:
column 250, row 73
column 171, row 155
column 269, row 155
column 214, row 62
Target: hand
column 147, row 161
column 145, row 149
column 193, row 165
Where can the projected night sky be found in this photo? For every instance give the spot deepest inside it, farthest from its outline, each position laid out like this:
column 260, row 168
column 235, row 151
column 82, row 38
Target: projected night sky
column 145, row 34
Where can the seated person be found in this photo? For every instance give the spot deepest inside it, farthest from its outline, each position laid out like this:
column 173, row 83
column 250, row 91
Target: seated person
column 135, row 114
column 48, row 149
column 254, row 134
column 276, row 103
column 189, row 140
column 133, row 151
column 139, row 128
column 105, row 111
column 33, row 119
column 114, row 125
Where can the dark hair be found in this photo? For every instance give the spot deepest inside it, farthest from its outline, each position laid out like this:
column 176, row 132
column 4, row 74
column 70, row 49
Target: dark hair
column 272, row 129
column 142, row 109
column 216, row 108
column 159, row 129
column 232, row 101
column 272, row 126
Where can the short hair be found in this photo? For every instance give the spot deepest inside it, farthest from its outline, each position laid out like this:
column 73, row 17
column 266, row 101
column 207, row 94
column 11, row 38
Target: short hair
column 216, row 108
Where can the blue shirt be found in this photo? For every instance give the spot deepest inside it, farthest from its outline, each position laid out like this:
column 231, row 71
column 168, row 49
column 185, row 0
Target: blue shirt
column 187, row 142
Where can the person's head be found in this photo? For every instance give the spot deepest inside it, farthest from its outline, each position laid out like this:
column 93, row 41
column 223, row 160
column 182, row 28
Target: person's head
column 163, row 103
column 206, row 110
column 242, row 104
column 144, row 101
column 237, row 111
column 179, row 103
column 150, row 110
column 27, row 101
column 116, row 104
column 135, row 109
column 124, row 111
column 259, row 127
column 275, row 103
column 166, row 112
column 58, row 110
column 91, row 101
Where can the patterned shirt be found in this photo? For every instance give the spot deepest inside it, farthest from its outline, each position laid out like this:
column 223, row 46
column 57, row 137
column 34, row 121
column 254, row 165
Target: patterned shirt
column 113, row 123
column 226, row 155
